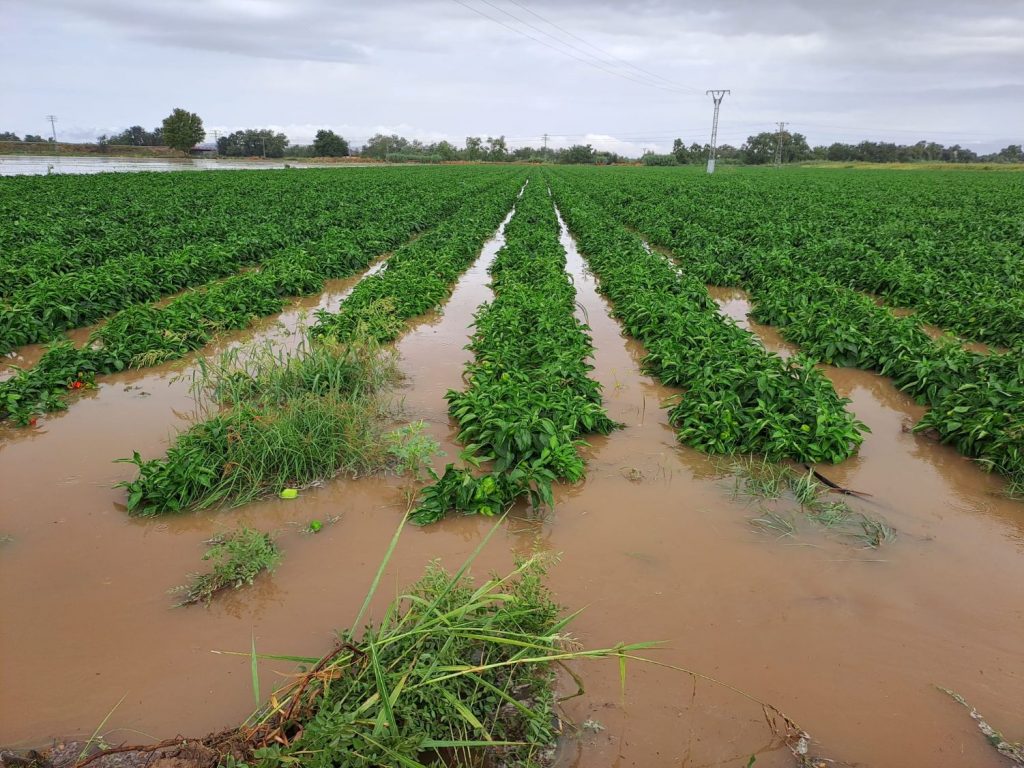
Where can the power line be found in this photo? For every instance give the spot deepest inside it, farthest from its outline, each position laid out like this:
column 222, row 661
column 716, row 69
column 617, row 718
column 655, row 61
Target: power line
column 601, row 50
column 588, row 62
column 611, row 58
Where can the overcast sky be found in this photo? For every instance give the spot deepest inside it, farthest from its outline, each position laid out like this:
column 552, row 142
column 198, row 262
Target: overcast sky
column 620, row 75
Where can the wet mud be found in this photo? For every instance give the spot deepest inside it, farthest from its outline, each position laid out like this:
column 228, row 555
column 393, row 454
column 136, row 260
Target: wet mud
column 654, row 544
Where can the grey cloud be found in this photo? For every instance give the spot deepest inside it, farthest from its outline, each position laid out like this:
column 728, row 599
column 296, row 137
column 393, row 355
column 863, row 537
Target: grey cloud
column 438, row 68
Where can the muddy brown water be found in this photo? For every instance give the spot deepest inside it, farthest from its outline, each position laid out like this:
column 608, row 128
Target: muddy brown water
column 848, row 642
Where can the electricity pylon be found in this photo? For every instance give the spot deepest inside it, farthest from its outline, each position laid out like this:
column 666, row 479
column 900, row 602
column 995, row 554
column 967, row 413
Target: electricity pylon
column 778, row 145
column 717, row 96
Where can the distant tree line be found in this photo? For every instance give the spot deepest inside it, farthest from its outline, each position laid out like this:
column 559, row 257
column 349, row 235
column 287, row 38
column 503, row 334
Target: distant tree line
column 922, row 151
column 136, row 136
column 493, row 149
column 183, row 130
column 760, row 149
column 29, row 137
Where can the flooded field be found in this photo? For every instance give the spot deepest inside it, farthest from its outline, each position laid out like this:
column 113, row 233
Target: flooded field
column 656, row 544
column 40, row 165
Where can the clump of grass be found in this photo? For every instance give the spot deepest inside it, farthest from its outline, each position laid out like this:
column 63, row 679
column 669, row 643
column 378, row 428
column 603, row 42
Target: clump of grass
column 769, row 480
column 454, row 674
column 873, row 532
column 411, row 449
column 277, row 420
column 805, row 488
column 238, row 557
column 774, row 523
column 759, row 477
column 830, row 514
column 1015, row 487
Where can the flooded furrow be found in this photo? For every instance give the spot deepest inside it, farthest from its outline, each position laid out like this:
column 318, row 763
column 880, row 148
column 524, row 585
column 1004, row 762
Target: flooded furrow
column 169, row 382
column 847, row 641
column 85, row 585
column 28, row 355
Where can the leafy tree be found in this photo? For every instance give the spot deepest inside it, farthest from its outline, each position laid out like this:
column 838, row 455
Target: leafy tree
column 1013, row 153
column 252, row 143
column 444, row 149
column 183, row 130
column 679, row 150
column 760, row 149
column 137, row 136
column 497, row 149
column 329, row 144
column 380, row 146
column 8, row 136
column 473, row 147
column 577, row 154
column 526, row 154
column 31, row 137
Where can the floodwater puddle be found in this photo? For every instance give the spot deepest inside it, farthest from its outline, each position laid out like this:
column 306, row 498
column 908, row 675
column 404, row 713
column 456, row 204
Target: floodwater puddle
column 735, row 303
column 653, row 545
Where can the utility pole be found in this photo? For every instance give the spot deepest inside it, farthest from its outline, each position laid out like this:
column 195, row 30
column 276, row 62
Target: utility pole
column 717, row 96
column 545, row 145
column 778, row 145
column 53, row 130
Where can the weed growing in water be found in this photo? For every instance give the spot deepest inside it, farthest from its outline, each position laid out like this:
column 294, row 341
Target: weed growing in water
column 1015, row 488
column 805, row 488
column 874, row 532
column 412, row 449
column 774, row 523
column 237, row 557
column 830, row 514
column 759, row 477
column 278, row 421
column 768, row 480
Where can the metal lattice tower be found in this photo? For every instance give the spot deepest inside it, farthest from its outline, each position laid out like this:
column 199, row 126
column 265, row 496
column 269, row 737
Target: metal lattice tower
column 717, row 96
column 778, row 145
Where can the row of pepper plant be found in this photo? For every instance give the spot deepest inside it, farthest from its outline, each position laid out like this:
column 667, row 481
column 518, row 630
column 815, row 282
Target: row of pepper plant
column 976, row 400
column 148, row 334
column 420, row 276
column 529, row 398
column 736, row 397
column 192, row 251
column 307, row 422
column 945, row 244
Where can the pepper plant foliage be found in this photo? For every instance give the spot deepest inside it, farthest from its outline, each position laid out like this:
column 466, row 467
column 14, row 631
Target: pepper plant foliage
column 377, row 216
column 529, row 397
column 736, row 397
column 976, row 400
